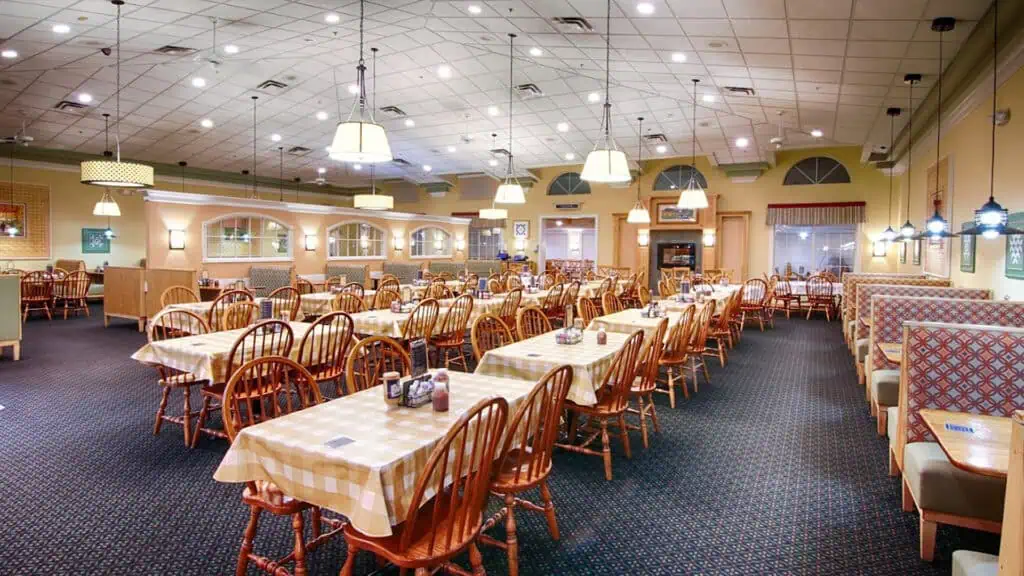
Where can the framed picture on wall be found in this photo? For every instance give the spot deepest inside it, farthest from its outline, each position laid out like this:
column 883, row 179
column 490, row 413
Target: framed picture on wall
column 1015, row 249
column 521, row 229
column 669, row 213
column 95, row 241
column 968, row 246
column 13, row 215
column 917, row 253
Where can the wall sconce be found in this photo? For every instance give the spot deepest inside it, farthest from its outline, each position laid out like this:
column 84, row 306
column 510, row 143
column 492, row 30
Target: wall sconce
column 520, row 244
column 709, row 237
column 310, row 242
column 176, row 239
column 398, row 242
column 878, row 248
column 643, row 237
column 460, row 244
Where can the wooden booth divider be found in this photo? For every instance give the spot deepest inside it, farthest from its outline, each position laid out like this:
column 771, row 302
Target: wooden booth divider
column 134, row 293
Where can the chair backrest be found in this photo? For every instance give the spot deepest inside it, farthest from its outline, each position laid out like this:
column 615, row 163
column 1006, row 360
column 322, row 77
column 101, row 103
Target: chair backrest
column 783, row 289
column 348, row 303
column 587, row 311
column 36, row 286
column 546, row 280
column 265, row 388
column 610, row 304
column 370, row 359
column 754, row 292
column 239, row 315
column 819, row 287
column 175, row 323
column 606, row 286
column 388, row 283
column 513, row 282
column 650, row 355
column 323, row 347
column 438, row 291
column 465, row 457
column 614, row 390
column 76, row 284
column 531, row 321
column 286, row 299
column 699, row 335
column 354, row 288
column 421, row 321
column 268, row 338
column 304, row 286
column 553, row 300
column 456, row 319
column 335, row 282
column 534, row 427
column 221, row 303
column 489, row 332
column 383, row 298
column 678, row 345
column 643, row 295
column 570, row 294
column 495, row 286
column 511, row 305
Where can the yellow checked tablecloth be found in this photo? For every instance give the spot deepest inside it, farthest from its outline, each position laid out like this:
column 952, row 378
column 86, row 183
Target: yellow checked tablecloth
column 202, row 309
column 536, row 299
column 317, row 303
column 480, row 306
column 631, row 320
column 589, row 289
column 531, row 359
column 353, row 455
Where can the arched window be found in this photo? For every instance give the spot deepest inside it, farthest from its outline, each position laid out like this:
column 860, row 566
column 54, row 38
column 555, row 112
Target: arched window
column 816, row 170
column 355, row 240
column 677, row 177
column 252, row 237
column 568, row 183
column 430, row 242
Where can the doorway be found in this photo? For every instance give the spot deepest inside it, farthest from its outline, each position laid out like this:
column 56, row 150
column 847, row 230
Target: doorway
column 567, row 240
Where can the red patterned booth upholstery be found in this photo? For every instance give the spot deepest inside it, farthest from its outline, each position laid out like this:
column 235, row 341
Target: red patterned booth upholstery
column 850, row 283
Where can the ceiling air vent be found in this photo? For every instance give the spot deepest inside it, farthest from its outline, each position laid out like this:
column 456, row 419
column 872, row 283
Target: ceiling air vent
column 659, row 138
column 299, row 151
column 879, row 154
column 171, row 50
column 393, row 111
column 740, row 90
column 401, row 162
column 568, row 206
column 267, row 85
column 69, row 105
column 529, row 90
column 885, row 165
column 573, row 24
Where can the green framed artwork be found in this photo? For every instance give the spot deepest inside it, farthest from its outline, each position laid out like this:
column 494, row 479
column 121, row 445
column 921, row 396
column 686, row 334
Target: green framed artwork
column 903, row 252
column 917, row 253
column 968, row 248
column 95, row 241
column 1015, row 249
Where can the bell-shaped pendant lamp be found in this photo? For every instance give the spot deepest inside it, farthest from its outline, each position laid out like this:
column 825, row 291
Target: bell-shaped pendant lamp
column 638, row 214
column 606, row 163
column 373, row 201
column 907, row 231
column 889, row 235
column 106, row 206
column 115, row 173
column 510, row 191
column 360, row 139
column 937, row 226
column 693, row 196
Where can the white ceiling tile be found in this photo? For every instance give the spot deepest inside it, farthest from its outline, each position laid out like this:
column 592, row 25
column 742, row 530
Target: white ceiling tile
column 892, row 30
column 765, row 45
column 860, row 48
column 755, row 8
column 769, row 60
column 818, row 62
column 818, row 9
column 760, row 28
column 819, row 47
column 888, row 9
column 697, row 8
column 872, row 64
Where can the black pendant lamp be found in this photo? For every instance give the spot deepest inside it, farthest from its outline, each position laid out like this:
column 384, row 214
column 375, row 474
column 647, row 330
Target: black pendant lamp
column 907, row 231
column 889, row 234
column 937, row 226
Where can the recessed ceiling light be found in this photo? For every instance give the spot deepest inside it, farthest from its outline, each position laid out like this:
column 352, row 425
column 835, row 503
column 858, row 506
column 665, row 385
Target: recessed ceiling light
column 357, row 166
column 321, row 170
column 678, row 57
column 85, row 97
column 332, row 18
column 661, row 148
column 275, row 137
column 206, row 123
column 9, row 54
column 427, row 168
column 645, row 8
column 563, row 126
column 570, row 156
column 474, row 9
column 199, row 82
column 742, row 142
column 353, row 88
column 708, row 98
column 321, row 115
column 409, row 122
column 444, row 71
column 492, row 162
column 593, row 97
column 451, row 148
column 230, row 49
column 493, row 110
column 61, row 28
column 817, row 133
column 536, row 51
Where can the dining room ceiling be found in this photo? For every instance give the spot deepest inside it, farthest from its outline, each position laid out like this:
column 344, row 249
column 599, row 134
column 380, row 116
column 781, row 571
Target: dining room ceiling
column 442, row 77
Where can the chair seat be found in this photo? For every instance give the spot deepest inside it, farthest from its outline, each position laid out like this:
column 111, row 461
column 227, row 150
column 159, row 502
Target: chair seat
column 602, row 408
column 270, row 497
column 448, row 340
column 970, row 563
column 861, row 349
column 419, row 550
column 505, row 480
column 181, row 379
column 941, row 487
column 885, row 387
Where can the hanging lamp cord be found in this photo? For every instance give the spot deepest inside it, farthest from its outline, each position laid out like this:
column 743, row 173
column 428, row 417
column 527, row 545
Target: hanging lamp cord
column 117, row 93
column 608, row 75
column 938, row 127
column 995, row 87
column 373, row 169
column 280, row 173
column 892, row 127
column 910, row 141
column 639, row 154
column 693, row 139
column 511, row 40
column 254, row 98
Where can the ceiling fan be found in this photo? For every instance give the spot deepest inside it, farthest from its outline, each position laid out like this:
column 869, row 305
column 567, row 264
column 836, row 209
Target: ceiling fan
column 20, row 138
column 218, row 59
column 781, row 140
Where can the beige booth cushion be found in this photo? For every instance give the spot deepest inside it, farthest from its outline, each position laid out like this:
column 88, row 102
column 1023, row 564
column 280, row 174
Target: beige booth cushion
column 891, row 423
column 941, row 487
column 970, row 563
column 885, row 387
column 861, row 350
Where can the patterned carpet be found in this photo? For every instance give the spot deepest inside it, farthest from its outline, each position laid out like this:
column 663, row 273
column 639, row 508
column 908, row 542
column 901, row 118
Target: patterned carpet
column 772, row 469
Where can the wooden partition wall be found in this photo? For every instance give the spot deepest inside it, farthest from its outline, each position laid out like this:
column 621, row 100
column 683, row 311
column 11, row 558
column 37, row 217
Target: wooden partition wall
column 134, row 293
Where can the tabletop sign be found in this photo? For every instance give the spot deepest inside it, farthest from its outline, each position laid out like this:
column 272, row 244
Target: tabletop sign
column 266, row 309
column 418, row 354
column 959, row 428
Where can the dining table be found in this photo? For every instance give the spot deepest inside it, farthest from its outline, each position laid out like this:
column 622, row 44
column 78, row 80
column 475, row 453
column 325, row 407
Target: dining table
column 356, row 455
column 973, row 442
column 632, row 319
column 893, row 351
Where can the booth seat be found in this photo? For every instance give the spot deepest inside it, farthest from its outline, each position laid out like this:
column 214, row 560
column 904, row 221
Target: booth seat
column 483, row 268
column 269, row 278
column 405, row 273
column 351, row 273
column 861, row 305
column 850, row 280
column 968, row 563
column 10, row 313
column 450, row 267
column 959, row 368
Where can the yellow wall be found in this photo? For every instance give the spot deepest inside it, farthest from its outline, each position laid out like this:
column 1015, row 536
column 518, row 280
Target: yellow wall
column 968, row 146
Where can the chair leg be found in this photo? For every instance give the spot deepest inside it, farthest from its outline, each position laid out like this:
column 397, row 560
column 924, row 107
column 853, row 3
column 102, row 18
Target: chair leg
column 907, row 502
column 721, row 352
column 476, row 560
column 894, row 470
column 511, row 539
column 643, row 421
column 693, row 372
column 672, row 387
column 186, row 415
column 606, row 451
column 707, row 375
column 300, row 544
column 624, row 435
column 247, row 538
column 549, row 510
column 316, row 521
column 928, row 530
column 160, row 411
column 350, row 561
column 201, row 421
column 654, row 412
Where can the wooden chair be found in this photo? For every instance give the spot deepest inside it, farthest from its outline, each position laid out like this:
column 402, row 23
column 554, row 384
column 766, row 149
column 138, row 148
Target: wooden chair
column 610, row 304
column 286, row 300
column 525, row 460
column 676, row 353
column 420, row 324
column 438, row 291
column 220, row 305
column 586, row 311
column 552, row 305
column 643, row 296
column 178, row 295
column 754, row 292
column 348, row 303
column 646, row 381
column 721, row 333
column 336, row 283
column 438, row 529
column 546, row 280
column 819, row 296
column 510, row 307
column 513, row 282
column 268, row 338
column 489, row 332
column 36, row 294
column 263, row 389
column 167, row 325
column 570, row 294
column 383, row 298
column 612, row 401
column 389, row 283
column 370, row 359
column 76, row 289
column 445, row 276
column 699, row 343
column 239, row 315
column 494, row 286
column 303, row 286
column 324, row 346
column 530, row 322
column 784, row 297
column 736, row 316
column 452, row 334
column 356, row 289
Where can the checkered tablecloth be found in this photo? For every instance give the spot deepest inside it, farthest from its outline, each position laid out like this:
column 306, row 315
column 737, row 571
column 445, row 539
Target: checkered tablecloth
column 530, row 359
column 353, row 455
column 800, row 288
column 202, row 309
column 205, row 355
column 589, row 289
column 631, row 320
column 317, row 303
column 480, row 307
column 536, row 299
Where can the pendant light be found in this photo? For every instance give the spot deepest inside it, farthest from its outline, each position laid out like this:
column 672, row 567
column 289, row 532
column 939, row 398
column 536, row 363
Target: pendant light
column 937, row 226
column 889, row 234
column 182, row 164
column 693, row 196
column 606, row 163
column 510, row 191
column 360, row 138
column 373, row 201
column 106, row 205
column 907, row 231
column 10, row 227
column 639, row 214
column 117, row 174
column 254, row 195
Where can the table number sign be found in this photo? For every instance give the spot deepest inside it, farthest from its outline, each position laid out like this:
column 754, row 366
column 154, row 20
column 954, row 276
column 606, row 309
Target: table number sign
column 959, row 428
column 418, row 354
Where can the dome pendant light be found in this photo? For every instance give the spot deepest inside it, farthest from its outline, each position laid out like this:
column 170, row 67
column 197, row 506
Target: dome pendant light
column 693, row 196
column 889, row 234
column 360, row 139
column 937, row 227
column 639, row 214
column 606, row 163
column 106, row 205
column 117, row 174
column 510, row 191
column 373, row 201
column 907, row 231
